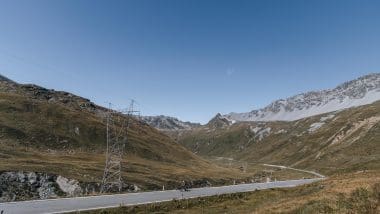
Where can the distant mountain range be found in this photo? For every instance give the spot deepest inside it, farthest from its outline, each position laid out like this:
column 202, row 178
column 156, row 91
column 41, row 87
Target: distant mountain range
column 336, row 130
column 358, row 92
column 168, row 123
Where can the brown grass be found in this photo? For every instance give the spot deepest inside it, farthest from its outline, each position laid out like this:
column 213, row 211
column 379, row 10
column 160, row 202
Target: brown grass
column 40, row 136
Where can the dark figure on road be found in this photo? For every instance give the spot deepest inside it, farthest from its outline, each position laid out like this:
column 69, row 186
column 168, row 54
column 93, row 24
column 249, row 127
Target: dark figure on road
column 184, row 187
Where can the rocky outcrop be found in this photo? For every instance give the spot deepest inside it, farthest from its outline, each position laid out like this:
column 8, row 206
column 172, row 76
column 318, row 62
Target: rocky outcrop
column 15, row 186
column 39, row 93
column 50, row 95
column 70, row 186
column 18, row 186
column 28, row 185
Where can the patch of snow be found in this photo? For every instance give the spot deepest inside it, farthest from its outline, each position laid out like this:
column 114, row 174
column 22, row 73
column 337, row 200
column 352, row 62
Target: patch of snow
column 315, row 126
column 224, row 158
column 328, row 117
column 232, row 121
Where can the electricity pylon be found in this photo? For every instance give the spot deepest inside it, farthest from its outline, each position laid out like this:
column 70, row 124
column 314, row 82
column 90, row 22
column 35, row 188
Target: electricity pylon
column 118, row 124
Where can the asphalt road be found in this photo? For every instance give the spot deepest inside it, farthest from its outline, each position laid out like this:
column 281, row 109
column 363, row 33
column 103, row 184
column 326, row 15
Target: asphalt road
column 107, row 201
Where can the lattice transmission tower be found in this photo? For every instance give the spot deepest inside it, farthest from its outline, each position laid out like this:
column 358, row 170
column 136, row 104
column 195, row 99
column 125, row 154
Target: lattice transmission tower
column 118, row 124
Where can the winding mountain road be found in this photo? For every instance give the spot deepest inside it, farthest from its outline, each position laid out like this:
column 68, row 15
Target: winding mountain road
column 65, row 205
column 300, row 170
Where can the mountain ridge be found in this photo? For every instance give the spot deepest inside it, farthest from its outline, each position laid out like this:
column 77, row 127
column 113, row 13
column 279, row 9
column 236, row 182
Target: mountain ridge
column 361, row 91
column 162, row 122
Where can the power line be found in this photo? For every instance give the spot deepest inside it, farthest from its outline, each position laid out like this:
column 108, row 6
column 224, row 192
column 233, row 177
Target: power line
column 118, row 125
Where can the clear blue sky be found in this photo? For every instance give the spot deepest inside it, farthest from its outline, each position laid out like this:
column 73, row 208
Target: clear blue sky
column 189, row 59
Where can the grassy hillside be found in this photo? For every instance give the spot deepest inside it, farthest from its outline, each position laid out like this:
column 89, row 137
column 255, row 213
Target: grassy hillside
column 342, row 141
column 56, row 132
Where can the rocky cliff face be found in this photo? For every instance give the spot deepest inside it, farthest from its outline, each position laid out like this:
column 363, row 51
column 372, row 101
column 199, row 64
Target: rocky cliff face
column 361, row 91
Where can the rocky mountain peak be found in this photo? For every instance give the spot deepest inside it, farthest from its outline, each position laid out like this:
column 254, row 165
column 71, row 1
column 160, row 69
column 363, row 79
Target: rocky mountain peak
column 219, row 121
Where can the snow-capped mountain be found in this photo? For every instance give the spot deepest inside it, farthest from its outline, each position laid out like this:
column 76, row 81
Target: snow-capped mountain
column 168, row 123
column 361, row 91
